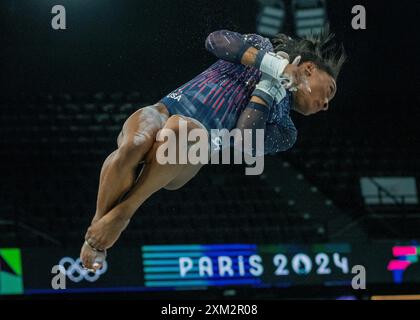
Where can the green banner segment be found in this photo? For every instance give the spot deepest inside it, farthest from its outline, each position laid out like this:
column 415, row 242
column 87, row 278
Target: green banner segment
column 11, row 280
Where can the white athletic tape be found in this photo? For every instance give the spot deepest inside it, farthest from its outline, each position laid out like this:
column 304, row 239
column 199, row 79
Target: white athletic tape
column 273, row 65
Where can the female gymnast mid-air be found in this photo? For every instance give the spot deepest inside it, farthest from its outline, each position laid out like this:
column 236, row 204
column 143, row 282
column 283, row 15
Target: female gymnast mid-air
column 254, row 85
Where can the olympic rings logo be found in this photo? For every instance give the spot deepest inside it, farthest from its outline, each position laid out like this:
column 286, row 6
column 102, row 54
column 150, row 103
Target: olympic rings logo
column 75, row 272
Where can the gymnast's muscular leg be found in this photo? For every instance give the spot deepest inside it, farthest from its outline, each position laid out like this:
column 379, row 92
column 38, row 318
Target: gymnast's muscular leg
column 134, row 141
column 154, row 176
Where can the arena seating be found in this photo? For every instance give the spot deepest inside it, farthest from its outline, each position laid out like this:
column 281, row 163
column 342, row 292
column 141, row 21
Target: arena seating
column 53, row 147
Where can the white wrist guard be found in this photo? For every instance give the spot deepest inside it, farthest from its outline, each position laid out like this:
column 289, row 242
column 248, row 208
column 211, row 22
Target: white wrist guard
column 273, row 65
column 270, row 90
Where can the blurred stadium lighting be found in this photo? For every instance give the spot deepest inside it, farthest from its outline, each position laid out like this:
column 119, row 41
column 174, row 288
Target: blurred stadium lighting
column 270, row 19
column 310, row 16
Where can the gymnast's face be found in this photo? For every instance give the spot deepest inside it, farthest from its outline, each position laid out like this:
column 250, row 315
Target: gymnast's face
column 323, row 89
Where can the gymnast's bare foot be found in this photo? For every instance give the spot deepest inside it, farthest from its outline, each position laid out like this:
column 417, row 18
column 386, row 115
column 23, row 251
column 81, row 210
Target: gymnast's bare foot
column 101, row 235
column 105, row 232
column 92, row 259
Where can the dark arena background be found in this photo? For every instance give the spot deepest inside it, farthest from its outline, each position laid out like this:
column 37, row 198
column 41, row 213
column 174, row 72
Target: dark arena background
column 335, row 217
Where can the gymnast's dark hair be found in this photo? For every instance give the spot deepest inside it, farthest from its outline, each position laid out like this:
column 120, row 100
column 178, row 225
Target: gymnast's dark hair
column 317, row 48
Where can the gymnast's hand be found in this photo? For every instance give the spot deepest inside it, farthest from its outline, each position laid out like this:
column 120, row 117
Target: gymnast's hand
column 295, row 77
